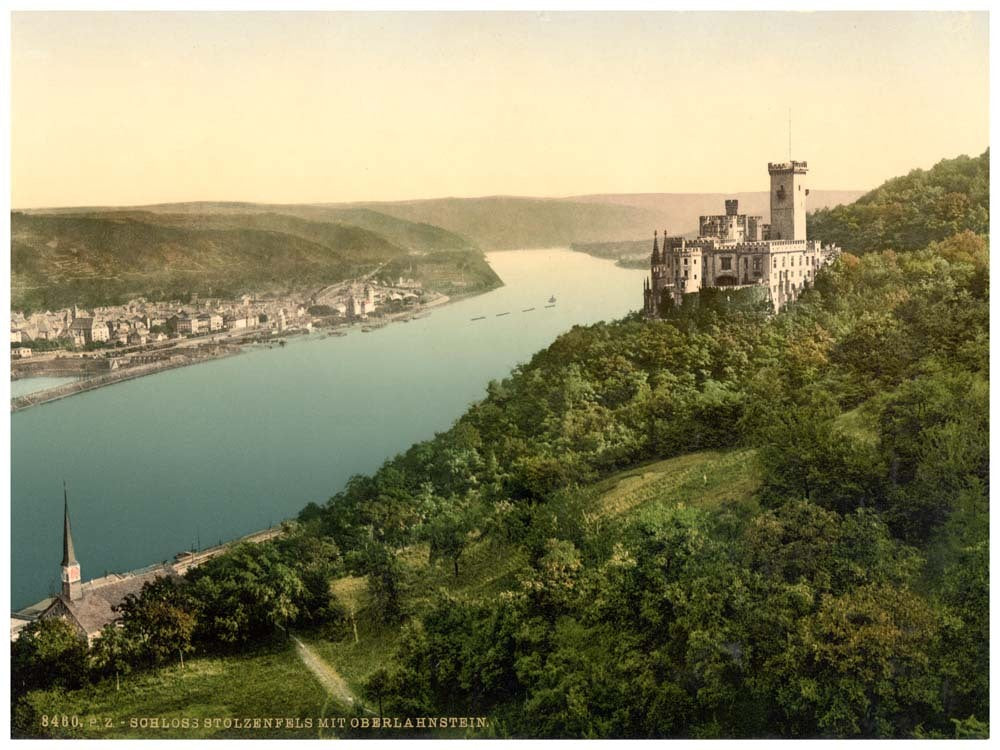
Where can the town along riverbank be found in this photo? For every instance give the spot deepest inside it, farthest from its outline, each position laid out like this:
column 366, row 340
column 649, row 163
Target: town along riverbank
column 97, row 372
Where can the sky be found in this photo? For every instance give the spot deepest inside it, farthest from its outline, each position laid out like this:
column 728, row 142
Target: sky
column 121, row 108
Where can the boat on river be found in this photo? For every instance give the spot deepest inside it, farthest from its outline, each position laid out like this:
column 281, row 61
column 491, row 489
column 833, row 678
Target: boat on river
column 500, row 315
column 481, row 317
column 527, row 309
column 552, row 299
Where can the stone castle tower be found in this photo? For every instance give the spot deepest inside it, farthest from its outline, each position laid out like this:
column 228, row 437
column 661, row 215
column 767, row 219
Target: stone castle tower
column 72, row 588
column 788, row 200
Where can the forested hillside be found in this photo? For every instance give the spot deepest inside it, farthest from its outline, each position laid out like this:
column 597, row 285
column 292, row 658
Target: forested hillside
column 107, row 257
column 908, row 212
column 724, row 524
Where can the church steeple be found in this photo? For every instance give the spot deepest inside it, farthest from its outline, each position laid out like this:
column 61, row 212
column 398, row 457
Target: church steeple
column 71, row 586
column 656, row 249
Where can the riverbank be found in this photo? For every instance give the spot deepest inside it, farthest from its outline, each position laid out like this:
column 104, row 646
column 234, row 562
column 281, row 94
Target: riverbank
column 193, row 351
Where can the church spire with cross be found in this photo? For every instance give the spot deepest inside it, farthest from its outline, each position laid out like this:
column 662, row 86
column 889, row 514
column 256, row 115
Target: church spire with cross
column 72, row 588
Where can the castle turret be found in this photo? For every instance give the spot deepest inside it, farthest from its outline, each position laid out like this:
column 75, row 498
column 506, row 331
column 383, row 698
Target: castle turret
column 72, row 588
column 788, row 200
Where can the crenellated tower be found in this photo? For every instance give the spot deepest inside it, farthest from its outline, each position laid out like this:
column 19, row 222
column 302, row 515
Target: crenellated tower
column 788, row 200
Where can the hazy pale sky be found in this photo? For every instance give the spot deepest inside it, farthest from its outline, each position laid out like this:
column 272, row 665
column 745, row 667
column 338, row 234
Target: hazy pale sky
column 133, row 108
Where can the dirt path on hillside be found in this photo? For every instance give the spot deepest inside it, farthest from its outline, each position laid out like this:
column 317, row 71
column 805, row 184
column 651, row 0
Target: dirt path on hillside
column 327, row 675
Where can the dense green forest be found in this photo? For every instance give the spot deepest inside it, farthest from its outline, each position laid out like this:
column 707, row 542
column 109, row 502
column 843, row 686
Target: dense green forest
column 908, row 212
column 722, row 524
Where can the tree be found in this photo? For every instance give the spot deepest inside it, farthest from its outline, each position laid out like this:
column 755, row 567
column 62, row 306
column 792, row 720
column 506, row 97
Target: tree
column 375, row 687
column 803, row 454
column 447, row 529
column 385, row 584
column 552, row 583
column 249, row 592
column 48, row 652
column 861, row 666
column 112, row 653
column 160, row 621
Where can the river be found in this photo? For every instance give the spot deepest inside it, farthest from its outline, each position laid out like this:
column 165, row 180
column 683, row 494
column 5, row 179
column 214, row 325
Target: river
column 220, row 449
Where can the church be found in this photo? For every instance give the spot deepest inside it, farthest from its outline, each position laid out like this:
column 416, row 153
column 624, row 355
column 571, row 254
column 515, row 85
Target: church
column 90, row 605
column 737, row 251
column 87, row 606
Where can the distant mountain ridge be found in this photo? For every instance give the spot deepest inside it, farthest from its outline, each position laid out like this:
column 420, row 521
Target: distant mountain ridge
column 503, row 222
column 104, row 255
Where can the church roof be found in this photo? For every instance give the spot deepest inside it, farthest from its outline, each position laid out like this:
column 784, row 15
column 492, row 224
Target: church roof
column 82, row 324
column 94, row 609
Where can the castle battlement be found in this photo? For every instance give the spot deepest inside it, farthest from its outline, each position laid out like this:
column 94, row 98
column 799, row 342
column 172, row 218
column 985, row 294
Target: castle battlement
column 799, row 167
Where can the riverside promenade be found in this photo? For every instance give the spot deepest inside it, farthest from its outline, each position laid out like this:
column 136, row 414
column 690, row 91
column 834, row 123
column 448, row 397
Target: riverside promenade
column 55, row 393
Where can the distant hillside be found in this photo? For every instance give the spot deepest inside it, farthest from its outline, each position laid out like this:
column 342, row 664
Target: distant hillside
column 614, row 250
column 61, row 260
column 679, row 212
column 907, row 213
column 414, row 236
column 502, row 222
column 113, row 255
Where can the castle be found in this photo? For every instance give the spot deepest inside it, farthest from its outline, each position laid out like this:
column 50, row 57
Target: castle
column 737, row 251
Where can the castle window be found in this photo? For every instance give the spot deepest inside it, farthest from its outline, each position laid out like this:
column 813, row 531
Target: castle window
column 685, row 261
column 756, row 264
column 727, row 264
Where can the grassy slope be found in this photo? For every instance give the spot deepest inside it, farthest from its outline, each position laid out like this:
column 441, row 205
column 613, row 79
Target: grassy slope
column 487, row 568
column 269, row 682
column 273, row 682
